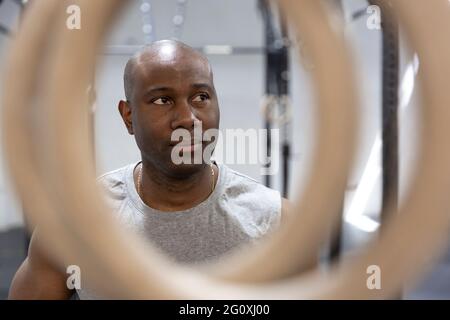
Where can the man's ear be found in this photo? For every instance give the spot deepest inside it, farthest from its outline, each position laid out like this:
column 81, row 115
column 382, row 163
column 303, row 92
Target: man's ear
column 125, row 112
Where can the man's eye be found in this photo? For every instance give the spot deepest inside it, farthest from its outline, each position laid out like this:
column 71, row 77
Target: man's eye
column 201, row 97
column 162, row 100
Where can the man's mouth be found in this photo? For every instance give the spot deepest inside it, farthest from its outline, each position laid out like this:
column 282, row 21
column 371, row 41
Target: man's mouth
column 188, row 146
column 191, row 147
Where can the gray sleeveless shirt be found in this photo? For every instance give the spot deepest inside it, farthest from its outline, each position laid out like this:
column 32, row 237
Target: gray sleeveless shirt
column 239, row 210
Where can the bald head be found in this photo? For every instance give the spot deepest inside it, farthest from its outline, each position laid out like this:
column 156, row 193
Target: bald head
column 160, row 52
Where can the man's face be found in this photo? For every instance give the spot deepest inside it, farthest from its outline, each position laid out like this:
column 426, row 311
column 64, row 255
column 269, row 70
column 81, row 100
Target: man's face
column 171, row 92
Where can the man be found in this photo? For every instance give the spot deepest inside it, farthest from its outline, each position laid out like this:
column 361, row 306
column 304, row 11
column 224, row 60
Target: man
column 193, row 212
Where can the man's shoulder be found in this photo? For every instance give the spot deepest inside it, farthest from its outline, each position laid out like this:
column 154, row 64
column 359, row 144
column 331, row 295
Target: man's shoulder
column 115, row 181
column 244, row 188
column 115, row 174
column 252, row 201
column 237, row 179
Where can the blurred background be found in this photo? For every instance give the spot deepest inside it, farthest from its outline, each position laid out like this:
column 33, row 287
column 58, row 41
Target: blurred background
column 235, row 35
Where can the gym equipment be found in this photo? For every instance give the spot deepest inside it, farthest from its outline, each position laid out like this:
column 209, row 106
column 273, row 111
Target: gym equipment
column 277, row 85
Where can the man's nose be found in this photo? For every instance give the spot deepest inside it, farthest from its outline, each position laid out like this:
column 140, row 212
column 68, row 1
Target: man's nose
column 184, row 116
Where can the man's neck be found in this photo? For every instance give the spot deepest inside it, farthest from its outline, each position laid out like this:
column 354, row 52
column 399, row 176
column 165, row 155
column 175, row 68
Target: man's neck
column 162, row 192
